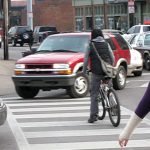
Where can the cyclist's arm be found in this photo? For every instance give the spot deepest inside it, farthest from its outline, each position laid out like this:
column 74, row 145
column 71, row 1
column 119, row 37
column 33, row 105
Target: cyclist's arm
column 86, row 61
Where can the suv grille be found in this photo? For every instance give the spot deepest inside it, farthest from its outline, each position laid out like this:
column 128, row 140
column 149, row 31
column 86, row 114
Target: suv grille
column 39, row 66
column 36, row 69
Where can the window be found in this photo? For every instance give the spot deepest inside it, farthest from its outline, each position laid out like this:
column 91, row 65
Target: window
column 121, row 41
column 109, row 40
column 147, row 39
column 131, row 30
column 89, row 23
column 137, row 29
column 79, row 24
column 79, row 11
column 72, row 43
column 146, row 28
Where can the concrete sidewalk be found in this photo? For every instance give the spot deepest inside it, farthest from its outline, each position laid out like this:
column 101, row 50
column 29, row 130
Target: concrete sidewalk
column 7, row 139
column 6, row 71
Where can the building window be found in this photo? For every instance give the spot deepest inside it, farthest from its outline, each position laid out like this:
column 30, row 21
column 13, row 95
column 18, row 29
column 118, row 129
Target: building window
column 79, row 24
column 88, row 11
column 79, row 11
column 99, row 22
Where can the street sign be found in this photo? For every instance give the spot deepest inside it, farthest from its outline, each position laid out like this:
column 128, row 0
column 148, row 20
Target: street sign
column 131, row 8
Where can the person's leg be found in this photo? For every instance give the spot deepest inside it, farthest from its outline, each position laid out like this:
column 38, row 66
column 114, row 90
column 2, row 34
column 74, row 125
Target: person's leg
column 95, row 82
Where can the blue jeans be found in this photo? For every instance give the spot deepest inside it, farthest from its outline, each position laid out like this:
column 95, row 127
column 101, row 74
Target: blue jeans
column 94, row 91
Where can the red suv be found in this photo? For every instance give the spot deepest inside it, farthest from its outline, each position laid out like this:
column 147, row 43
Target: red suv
column 58, row 63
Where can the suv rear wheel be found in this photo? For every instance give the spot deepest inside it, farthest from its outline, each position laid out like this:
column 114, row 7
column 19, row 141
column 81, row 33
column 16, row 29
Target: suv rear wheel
column 80, row 87
column 26, row 92
column 119, row 81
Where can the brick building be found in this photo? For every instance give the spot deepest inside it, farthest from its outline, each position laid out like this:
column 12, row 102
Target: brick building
column 57, row 13
column 70, row 15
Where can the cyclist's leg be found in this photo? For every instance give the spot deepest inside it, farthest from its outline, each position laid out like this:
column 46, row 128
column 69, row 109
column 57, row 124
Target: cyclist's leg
column 95, row 82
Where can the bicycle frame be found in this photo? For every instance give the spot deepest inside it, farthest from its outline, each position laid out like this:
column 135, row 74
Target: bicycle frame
column 104, row 87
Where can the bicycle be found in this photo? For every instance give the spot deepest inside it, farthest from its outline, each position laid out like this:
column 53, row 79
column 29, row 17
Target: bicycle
column 108, row 101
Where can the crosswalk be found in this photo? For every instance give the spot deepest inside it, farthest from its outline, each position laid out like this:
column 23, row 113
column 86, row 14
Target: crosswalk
column 61, row 124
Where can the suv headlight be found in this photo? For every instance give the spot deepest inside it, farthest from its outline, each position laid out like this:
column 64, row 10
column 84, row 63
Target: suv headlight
column 61, row 66
column 20, row 66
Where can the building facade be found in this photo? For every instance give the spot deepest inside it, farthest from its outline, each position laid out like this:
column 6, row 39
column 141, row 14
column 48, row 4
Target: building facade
column 112, row 14
column 79, row 15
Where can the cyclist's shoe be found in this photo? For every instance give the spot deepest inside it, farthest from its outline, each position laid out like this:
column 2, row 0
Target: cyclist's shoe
column 92, row 119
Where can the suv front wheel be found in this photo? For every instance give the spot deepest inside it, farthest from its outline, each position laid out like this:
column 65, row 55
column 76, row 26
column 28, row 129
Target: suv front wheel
column 119, row 81
column 26, row 92
column 80, row 87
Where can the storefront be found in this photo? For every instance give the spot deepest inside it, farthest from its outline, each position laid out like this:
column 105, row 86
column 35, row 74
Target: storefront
column 113, row 14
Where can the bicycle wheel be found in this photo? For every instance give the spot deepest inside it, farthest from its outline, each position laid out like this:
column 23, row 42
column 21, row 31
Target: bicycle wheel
column 102, row 110
column 114, row 110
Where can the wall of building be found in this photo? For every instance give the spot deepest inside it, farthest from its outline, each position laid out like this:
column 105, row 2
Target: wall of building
column 52, row 13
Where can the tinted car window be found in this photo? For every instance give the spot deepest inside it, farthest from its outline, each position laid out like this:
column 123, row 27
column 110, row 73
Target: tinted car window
column 122, row 43
column 73, row 43
column 137, row 29
column 22, row 29
column 109, row 40
column 146, row 28
column 43, row 29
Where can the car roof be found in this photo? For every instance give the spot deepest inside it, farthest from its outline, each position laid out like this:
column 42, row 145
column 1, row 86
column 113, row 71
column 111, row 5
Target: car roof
column 81, row 33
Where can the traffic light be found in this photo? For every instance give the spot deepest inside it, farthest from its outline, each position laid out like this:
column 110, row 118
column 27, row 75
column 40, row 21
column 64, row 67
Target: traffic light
column 1, row 5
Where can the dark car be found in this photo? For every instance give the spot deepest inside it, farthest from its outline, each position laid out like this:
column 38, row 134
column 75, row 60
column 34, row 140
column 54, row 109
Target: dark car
column 20, row 35
column 41, row 32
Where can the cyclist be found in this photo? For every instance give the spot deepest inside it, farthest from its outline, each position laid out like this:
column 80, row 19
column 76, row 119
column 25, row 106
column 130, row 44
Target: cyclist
column 97, row 73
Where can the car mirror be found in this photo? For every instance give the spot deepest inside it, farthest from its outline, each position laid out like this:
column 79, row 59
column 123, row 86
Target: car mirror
column 26, row 53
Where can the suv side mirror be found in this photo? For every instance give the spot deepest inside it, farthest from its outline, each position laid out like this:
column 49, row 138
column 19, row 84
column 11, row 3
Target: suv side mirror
column 32, row 51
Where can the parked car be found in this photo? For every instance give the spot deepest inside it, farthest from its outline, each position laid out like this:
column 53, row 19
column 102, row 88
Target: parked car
column 141, row 42
column 136, row 63
column 41, row 32
column 58, row 63
column 3, row 112
column 20, row 35
column 138, row 29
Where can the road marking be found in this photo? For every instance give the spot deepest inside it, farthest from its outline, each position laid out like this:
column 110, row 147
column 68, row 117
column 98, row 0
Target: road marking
column 68, row 134
column 90, row 145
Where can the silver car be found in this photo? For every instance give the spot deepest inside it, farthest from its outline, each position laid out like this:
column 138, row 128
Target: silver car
column 3, row 112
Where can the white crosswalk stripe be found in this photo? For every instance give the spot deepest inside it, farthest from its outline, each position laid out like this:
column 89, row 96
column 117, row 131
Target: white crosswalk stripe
column 62, row 125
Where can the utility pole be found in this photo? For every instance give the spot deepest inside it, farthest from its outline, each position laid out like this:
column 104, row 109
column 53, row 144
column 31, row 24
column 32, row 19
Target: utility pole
column 29, row 14
column 92, row 9
column 105, row 14
column 5, row 27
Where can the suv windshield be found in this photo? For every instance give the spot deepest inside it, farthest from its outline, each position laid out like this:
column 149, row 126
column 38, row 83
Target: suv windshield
column 68, row 43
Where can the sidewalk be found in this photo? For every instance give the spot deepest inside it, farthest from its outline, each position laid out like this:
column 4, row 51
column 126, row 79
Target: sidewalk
column 7, row 141
column 6, row 71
